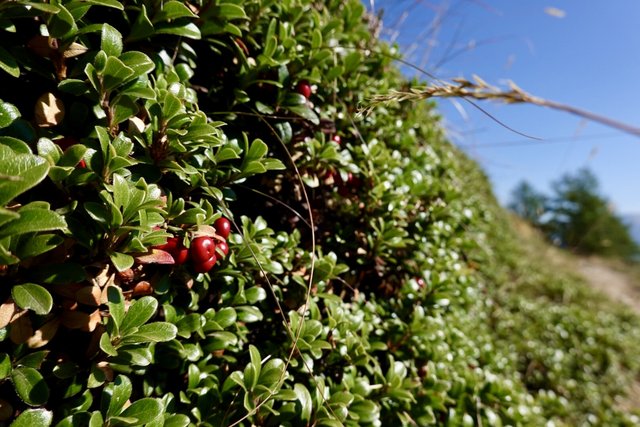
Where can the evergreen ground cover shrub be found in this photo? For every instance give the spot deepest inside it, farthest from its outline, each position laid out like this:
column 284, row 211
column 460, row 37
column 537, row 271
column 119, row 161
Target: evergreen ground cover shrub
column 359, row 283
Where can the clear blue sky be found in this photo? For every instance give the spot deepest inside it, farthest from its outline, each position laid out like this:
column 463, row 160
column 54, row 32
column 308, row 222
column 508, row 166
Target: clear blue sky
column 589, row 58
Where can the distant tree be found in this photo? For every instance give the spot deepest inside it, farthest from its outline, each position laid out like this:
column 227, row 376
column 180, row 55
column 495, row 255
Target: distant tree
column 583, row 220
column 528, row 203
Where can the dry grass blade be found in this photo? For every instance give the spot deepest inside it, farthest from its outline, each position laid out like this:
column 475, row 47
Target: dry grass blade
column 480, row 90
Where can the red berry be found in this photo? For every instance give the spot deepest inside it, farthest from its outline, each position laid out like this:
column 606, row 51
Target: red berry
column 180, row 255
column 223, row 227
column 203, row 267
column 202, row 249
column 222, row 248
column 170, row 246
column 336, row 139
column 82, row 164
column 304, row 89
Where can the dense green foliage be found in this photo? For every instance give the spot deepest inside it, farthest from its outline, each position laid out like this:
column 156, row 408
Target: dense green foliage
column 576, row 216
column 367, row 282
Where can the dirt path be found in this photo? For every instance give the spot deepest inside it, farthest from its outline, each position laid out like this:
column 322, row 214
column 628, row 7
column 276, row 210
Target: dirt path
column 618, row 286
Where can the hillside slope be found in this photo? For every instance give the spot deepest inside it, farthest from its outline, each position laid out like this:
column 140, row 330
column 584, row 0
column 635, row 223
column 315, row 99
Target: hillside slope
column 197, row 227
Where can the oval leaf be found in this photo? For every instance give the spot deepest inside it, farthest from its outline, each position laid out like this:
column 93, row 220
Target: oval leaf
column 33, row 417
column 30, row 296
column 30, row 386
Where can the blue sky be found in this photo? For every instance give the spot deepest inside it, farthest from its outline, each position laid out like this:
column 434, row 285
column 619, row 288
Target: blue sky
column 589, row 58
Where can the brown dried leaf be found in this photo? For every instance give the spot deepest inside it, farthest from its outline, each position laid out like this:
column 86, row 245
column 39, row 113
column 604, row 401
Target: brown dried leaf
column 79, row 320
column 7, row 311
column 49, row 110
column 104, row 278
column 89, row 295
column 44, row 334
column 20, row 328
column 74, row 49
column 43, row 46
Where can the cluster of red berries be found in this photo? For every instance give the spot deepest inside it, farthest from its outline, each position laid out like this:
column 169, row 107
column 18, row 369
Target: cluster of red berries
column 203, row 251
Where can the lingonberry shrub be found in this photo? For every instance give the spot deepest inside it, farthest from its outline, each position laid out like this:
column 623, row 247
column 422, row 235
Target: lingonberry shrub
column 132, row 136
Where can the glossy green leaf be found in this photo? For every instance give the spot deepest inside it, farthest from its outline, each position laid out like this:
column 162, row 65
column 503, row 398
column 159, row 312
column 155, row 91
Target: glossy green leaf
column 33, row 220
column 144, row 410
column 5, row 365
column 62, row 24
column 22, row 172
column 111, row 40
column 33, row 418
column 30, row 296
column 171, row 10
column 232, row 11
column 116, row 305
column 115, row 73
column 116, row 395
column 121, row 261
column 8, row 114
column 190, row 31
column 153, row 332
column 37, row 245
column 8, row 64
column 138, row 62
column 30, row 386
column 139, row 313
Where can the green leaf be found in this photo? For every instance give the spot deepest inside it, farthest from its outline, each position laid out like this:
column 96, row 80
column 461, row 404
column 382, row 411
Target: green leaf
column 34, row 297
column 306, row 402
column 5, row 365
column 8, row 114
column 33, row 418
column 171, row 106
column 144, row 411
column 20, row 172
column 305, row 112
column 116, row 305
column 257, row 150
column 62, row 23
column 33, row 220
column 17, row 145
column 111, row 40
column 173, row 10
column 115, row 4
column 115, row 73
column 190, row 31
column 8, row 63
column 142, row 27
column 107, row 346
column 115, row 396
column 153, row 332
column 7, row 215
column 30, row 386
column 177, row 420
column 138, row 62
column 123, row 109
column 139, row 313
column 121, row 261
column 231, row 11
column 136, row 356
column 31, row 246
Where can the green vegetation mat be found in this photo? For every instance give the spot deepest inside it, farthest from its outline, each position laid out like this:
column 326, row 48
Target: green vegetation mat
column 198, row 228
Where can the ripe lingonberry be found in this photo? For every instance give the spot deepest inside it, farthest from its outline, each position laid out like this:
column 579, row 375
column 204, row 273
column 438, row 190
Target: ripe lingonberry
column 223, row 227
column 304, row 89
